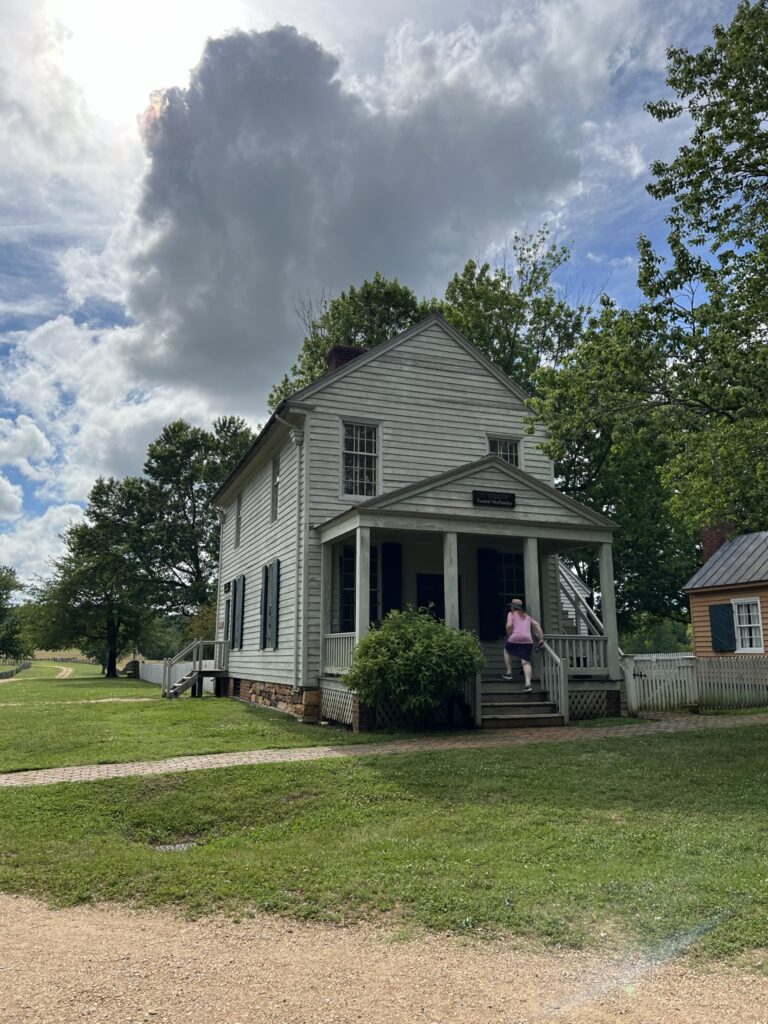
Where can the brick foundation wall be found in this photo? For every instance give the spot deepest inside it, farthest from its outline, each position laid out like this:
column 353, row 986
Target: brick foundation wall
column 302, row 703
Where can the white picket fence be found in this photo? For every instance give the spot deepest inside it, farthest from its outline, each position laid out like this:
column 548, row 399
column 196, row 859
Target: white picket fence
column 669, row 682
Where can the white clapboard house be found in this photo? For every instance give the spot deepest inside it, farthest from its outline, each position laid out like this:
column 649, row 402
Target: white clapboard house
column 405, row 477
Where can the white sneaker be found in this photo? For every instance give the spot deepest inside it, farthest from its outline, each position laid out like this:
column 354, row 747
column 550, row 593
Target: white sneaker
column 507, row 677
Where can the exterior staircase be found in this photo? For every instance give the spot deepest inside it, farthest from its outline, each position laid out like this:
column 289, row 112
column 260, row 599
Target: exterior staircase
column 504, row 704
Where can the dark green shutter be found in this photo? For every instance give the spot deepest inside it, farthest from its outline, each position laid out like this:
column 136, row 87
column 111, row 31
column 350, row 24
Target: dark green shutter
column 274, row 597
column 490, row 626
column 391, row 569
column 241, row 618
column 227, row 618
column 722, row 628
column 237, row 613
column 263, row 609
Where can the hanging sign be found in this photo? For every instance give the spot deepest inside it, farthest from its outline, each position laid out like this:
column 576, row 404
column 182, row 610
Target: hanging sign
column 493, row 499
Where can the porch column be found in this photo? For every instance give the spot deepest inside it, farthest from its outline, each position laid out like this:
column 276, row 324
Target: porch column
column 451, row 579
column 326, row 579
column 362, row 582
column 608, row 609
column 531, row 576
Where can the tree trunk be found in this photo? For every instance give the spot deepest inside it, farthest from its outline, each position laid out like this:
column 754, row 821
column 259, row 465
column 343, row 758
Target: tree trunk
column 112, row 633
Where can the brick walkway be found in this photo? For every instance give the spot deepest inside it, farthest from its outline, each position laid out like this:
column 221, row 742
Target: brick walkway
column 496, row 738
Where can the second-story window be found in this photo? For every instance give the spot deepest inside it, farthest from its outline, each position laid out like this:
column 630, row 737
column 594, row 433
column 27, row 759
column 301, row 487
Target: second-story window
column 360, row 459
column 238, row 518
column 506, row 448
column 275, row 486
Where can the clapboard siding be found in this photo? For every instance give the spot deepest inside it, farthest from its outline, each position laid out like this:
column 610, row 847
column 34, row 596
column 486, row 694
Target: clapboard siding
column 456, row 496
column 261, row 542
column 700, row 604
column 435, row 406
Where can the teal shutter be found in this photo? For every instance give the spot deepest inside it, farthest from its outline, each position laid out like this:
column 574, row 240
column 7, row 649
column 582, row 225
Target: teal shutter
column 722, row 627
column 274, row 598
column 391, row 578
column 238, row 609
column 241, row 618
column 264, row 606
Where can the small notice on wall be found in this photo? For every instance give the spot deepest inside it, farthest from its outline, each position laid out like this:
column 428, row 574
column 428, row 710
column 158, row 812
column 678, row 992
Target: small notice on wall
column 494, row 499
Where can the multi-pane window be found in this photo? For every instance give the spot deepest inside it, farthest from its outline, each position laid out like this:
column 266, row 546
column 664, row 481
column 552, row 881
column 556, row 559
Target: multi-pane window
column 348, row 586
column 360, row 459
column 510, row 578
column 506, row 448
column 275, row 486
column 749, row 629
column 238, row 518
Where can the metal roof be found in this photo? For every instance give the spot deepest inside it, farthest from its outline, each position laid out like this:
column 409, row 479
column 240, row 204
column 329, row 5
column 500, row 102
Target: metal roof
column 741, row 560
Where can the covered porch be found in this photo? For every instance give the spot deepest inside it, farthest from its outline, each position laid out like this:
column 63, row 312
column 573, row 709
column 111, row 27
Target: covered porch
column 467, row 578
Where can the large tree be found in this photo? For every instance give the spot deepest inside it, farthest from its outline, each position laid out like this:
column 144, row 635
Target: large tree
column 175, row 523
column 99, row 598
column 602, row 405
column 11, row 642
column 709, row 293
column 511, row 310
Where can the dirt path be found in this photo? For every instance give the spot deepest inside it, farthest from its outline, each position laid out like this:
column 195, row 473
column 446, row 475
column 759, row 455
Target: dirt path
column 124, row 967
column 478, row 739
column 56, row 703
column 64, row 673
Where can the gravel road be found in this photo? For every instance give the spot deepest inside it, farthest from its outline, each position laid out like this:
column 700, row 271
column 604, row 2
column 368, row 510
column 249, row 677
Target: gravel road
column 131, row 967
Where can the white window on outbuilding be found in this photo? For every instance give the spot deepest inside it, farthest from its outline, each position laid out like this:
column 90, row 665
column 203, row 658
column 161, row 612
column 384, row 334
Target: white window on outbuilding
column 507, row 448
column 360, row 459
column 748, row 625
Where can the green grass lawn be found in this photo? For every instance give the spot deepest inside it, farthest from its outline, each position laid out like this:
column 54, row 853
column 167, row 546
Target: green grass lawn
column 657, row 841
column 39, row 734
column 39, row 683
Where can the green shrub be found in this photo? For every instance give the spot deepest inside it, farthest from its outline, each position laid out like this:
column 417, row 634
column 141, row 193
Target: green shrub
column 415, row 661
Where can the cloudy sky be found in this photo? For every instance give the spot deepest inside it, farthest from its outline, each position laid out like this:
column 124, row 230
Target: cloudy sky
column 176, row 175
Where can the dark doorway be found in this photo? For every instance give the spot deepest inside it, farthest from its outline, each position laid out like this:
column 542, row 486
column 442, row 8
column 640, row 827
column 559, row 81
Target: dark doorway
column 430, row 593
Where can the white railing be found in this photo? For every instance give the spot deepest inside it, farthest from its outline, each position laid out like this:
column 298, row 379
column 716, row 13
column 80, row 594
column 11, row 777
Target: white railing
column 553, row 673
column 669, row 682
column 338, row 650
column 192, row 659
column 586, row 619
column 582, row 655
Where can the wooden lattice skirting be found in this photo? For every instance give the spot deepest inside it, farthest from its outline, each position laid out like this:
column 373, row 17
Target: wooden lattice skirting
column 585, row 704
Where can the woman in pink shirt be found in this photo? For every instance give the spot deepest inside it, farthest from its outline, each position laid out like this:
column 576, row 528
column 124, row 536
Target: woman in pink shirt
column 521, row 629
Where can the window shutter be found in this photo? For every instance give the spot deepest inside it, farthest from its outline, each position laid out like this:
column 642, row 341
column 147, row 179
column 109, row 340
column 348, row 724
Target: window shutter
column 263, row 609
column 490, row 625
column 391, row 577
column 237, row 613
column 274, row 597
column 722, row 628
column 241, row 617
column 227, row 617
column 231, row 628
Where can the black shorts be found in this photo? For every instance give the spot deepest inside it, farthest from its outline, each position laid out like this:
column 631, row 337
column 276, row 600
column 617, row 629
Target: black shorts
column 524, row 651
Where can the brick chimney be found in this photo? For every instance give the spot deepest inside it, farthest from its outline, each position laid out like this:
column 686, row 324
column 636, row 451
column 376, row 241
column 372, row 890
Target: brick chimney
column 713, row 538
column 340, row 355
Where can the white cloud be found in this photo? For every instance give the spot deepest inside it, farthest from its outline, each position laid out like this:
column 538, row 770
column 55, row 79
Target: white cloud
column 22, row 443
column 35, row 540
column 11, row 499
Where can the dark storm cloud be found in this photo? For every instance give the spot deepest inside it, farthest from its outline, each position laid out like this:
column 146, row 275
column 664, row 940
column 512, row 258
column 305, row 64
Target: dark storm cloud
column 269, row 181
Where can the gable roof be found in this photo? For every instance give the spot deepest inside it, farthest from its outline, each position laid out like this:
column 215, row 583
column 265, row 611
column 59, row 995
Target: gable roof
column 515, row 475
column 374, row 353
column 743, row 559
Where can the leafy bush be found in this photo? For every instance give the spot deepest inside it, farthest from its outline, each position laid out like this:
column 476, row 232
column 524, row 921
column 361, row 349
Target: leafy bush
column 415, row 661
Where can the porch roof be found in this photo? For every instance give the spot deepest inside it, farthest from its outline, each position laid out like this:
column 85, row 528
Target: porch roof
column 455, row 498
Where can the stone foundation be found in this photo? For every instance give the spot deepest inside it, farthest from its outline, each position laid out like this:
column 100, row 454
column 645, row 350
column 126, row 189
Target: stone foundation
column 300, row 702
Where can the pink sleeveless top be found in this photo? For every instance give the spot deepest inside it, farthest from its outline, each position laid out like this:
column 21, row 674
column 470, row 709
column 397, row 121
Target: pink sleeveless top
column 521, row 632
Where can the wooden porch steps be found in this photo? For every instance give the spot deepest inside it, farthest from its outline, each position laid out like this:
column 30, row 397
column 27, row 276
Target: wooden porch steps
column 194, row 681
column 505, row 704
